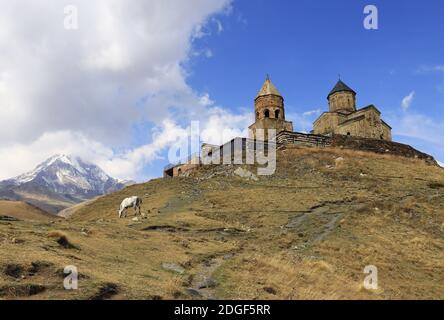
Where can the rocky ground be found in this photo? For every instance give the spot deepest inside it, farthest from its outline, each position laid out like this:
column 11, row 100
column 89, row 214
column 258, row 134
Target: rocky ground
column 307, row 232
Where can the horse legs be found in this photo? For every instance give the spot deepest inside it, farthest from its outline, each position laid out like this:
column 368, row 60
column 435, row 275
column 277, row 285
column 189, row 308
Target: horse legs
column 143, row 213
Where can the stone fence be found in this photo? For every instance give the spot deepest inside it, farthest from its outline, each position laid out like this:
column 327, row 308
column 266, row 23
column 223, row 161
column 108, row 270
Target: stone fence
column 303, row 139
column 380, row 146
column 237, row 149
column 350, row 142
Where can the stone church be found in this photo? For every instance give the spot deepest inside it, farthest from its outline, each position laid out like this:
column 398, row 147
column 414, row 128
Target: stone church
column 342, row 126
column 342, row 117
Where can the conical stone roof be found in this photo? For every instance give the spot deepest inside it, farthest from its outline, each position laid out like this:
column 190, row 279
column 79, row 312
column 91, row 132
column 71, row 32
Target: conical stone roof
column 268, row 89
column 341, row 87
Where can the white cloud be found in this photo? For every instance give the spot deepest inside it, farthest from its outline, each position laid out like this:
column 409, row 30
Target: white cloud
column 303, row 122
column 84, row 91
column 222, row 126
column 429, row 68
column 407, row 101
column 19, row 157
column 420, row 131
column 220, row 27
column 129, row 163
column 312, row 112
column 219, row 126
column 418, row 126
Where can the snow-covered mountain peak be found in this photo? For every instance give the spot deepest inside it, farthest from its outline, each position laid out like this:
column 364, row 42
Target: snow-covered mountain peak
column 69, row 175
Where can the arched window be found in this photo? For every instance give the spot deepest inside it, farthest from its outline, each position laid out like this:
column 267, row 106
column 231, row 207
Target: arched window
column 382, row 137
column 277, row 113
column 257, row 115
column 267, row 113
column 348, row 133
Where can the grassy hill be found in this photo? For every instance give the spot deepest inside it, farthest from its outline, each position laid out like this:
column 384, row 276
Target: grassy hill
column 45, row 200
column 23, row 211
column 306, row 232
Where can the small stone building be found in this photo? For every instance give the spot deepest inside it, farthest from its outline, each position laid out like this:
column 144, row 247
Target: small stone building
column 269, row 111
column 177, row 169
column 343, row 117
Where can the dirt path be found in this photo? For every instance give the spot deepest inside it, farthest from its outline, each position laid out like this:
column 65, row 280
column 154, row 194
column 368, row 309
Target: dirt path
column 327, row 214
column 203, row 283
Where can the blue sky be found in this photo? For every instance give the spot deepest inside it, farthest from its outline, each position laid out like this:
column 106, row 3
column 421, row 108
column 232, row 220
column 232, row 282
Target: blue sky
column 124, row 86
column 305, row 44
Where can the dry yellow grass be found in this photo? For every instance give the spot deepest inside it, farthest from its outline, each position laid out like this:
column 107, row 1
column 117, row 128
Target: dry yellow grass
column 23, row 211
column 306, row 232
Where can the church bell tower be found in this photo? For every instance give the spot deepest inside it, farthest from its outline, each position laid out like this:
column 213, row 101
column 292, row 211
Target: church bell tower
column 269, row 111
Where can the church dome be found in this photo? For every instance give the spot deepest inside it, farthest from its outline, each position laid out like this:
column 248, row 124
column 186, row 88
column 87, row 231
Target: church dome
column 341, row 87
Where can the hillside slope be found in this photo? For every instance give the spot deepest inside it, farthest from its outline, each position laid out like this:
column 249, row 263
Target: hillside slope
column 23, row 211
column 306, row 232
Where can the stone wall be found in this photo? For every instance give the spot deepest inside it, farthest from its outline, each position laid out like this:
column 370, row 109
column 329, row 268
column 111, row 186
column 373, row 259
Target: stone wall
column 236, row 149
column 180, row 169
column 302, row 139
column 271, row 103
column 380, row 146
column 270, row 114
column 342, row 101
column 365, row 123
column 267, row 123
column 328, row 122
column 350, row 142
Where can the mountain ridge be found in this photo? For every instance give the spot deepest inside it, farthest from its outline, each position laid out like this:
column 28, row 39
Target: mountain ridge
column 60, row 182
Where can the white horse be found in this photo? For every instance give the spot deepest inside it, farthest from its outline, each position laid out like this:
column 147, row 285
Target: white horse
column 133, row 202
